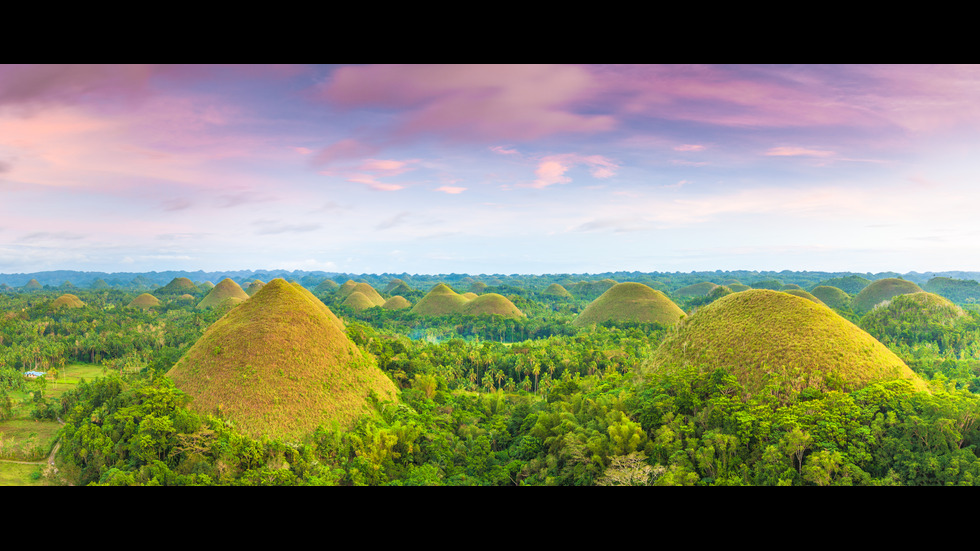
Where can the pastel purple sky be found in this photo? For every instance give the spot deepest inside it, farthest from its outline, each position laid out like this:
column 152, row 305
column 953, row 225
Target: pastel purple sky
column 489, row 169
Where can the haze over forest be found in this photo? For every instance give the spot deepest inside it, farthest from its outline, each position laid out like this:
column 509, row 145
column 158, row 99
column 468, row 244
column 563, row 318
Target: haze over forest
column 488, row 169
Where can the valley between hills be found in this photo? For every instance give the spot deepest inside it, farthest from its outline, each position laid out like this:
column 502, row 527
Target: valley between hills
column 735, row 378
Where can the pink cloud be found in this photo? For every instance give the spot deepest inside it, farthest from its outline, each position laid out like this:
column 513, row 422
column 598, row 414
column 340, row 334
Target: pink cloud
column 451, row 189
column 798, row 151
column 551, row 169
column 689, row 147
column 372, row 182
column 504, row 150
column 473, row 101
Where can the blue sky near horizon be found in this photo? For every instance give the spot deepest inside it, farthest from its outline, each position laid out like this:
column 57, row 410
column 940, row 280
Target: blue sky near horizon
column 489, row 169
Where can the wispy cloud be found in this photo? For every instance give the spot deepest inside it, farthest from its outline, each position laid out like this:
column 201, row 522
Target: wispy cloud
column 455, row 190
column 790, row 151
column 473, row 102
column 551, row 169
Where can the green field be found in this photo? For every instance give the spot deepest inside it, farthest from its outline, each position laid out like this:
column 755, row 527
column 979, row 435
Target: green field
column 27, row 439
column 17, row 474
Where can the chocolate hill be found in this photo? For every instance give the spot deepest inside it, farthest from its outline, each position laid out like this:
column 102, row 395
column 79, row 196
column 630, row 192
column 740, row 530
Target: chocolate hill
column 491, row 303
column 630, row 302
column 144, row 301
column 278, row 365
column 396, row 302
column 364, row 288
column 832, row 296
column 67, row 301
column 177, row 286
column 439, row 301
column 911, row 316
column 225, row 294
column 882, row 290
column 767, row 337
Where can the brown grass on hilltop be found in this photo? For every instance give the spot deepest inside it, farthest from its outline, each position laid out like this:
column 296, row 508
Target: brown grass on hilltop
column 767, row 337
column 278, row 366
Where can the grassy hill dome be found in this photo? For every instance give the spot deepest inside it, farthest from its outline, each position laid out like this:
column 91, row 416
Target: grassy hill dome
column 770, row 337
column 177, row 286
column 882, row 290
column 491, row 303
column 206, row 286
column 469, row 295
column 630, row 302
column 832, row 296
column 396, row 302
column 278, row 366
column 908, row 317
column 364, row 288
column 226, row 293
column 144, row 301
column 556, row 290
column 67, row 301
column 737, row 287
column 478, row 287
column 358, row 301
column 439, row 301
column 32, row 285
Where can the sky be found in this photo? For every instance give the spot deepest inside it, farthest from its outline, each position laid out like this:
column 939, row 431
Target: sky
column 489, row 169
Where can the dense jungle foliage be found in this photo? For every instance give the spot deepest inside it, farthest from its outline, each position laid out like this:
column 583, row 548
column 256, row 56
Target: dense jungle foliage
column 489, row 400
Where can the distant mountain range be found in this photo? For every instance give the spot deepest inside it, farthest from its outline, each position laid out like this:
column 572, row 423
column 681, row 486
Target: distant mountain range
column 57, row 278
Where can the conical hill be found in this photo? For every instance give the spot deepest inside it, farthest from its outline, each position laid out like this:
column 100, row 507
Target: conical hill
column 226, row 293
column 358, row 301
column 491, row 303
column 177, row 286
column 766, row 337
column 630, row 302
column 439, row 301
column 396, row 302
column 556, row 290
column 277, row 365
column 911, row 317
column 832, row 296
column 364, row 288
column 67, row 301
column 881, row 290
column 144, row 301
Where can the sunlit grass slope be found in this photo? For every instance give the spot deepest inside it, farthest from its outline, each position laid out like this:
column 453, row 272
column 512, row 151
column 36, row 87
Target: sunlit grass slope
column 439, row 301
column 770, row 337
column 880, row 290
column 630, row 302
column 227, row 292
column 67, row 300
column 277, row 365
column 491, row 303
